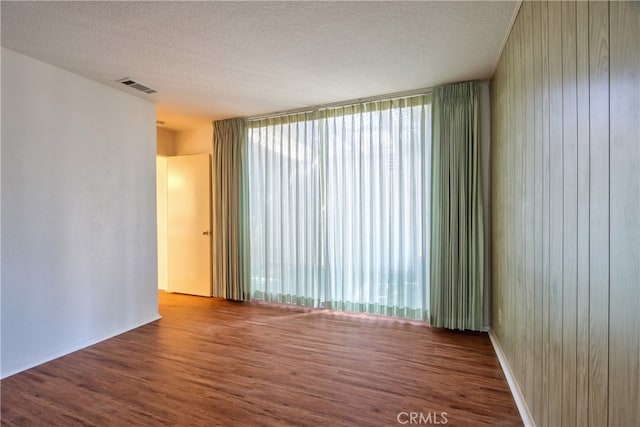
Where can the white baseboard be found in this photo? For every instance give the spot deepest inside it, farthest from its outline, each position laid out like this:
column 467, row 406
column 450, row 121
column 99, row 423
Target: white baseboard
column 63, row 352
column 527, row 419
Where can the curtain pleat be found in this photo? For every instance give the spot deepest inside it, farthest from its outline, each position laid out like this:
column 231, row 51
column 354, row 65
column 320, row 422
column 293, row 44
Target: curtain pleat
column 457, row 249
column 231, row 254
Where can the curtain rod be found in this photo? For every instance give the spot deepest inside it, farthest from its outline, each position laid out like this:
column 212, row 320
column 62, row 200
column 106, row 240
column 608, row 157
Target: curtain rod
column 389, row 96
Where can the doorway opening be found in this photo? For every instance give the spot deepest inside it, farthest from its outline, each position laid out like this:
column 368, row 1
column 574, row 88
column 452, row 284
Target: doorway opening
column 183, row 167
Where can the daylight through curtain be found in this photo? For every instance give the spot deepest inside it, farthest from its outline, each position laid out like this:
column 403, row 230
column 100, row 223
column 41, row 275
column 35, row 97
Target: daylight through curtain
column 339, row 207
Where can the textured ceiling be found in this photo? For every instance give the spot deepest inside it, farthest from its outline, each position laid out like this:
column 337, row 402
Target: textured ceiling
column 213, row 60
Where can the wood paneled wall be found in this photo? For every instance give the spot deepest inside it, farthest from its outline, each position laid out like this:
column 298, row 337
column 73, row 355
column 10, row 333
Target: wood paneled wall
column 566, row 210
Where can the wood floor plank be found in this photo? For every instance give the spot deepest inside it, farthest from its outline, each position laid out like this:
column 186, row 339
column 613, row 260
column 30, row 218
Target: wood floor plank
column 214, row 362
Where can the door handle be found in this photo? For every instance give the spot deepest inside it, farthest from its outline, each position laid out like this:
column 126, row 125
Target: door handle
column 206, row 232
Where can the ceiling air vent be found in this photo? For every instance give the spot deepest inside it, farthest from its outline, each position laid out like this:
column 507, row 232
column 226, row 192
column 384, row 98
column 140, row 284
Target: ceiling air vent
column 131, row 83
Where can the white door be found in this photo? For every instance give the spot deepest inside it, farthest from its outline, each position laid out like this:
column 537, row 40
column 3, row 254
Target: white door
column 189, row 224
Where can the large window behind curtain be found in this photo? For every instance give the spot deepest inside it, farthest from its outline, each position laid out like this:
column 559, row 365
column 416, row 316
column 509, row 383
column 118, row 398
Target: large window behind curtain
column 339, row 210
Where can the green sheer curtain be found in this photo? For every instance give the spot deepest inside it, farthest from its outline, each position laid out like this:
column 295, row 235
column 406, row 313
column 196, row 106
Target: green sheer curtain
column 457, row 258
column 231, row 255
column 339, row 207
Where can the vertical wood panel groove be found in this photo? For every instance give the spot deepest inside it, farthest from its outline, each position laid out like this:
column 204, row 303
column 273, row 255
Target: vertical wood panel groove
column 537, row 124
column 599, row 213
column 528, row 224
column 582, row 102
column 545, row 214
column 569, row 137
column 555, row 213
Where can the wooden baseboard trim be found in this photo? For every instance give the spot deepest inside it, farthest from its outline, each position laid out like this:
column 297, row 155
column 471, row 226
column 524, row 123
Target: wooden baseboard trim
column 525, row 414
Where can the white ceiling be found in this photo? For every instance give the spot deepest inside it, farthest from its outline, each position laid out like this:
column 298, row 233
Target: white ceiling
column 214, row 60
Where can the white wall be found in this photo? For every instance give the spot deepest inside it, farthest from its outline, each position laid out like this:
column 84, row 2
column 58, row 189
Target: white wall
column 165, row 142
column 165, row 146
column 78, row 222
column 161, row 196
column 194, row 141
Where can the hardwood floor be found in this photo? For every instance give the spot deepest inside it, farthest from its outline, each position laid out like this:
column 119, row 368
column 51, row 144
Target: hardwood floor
column 214, row 362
